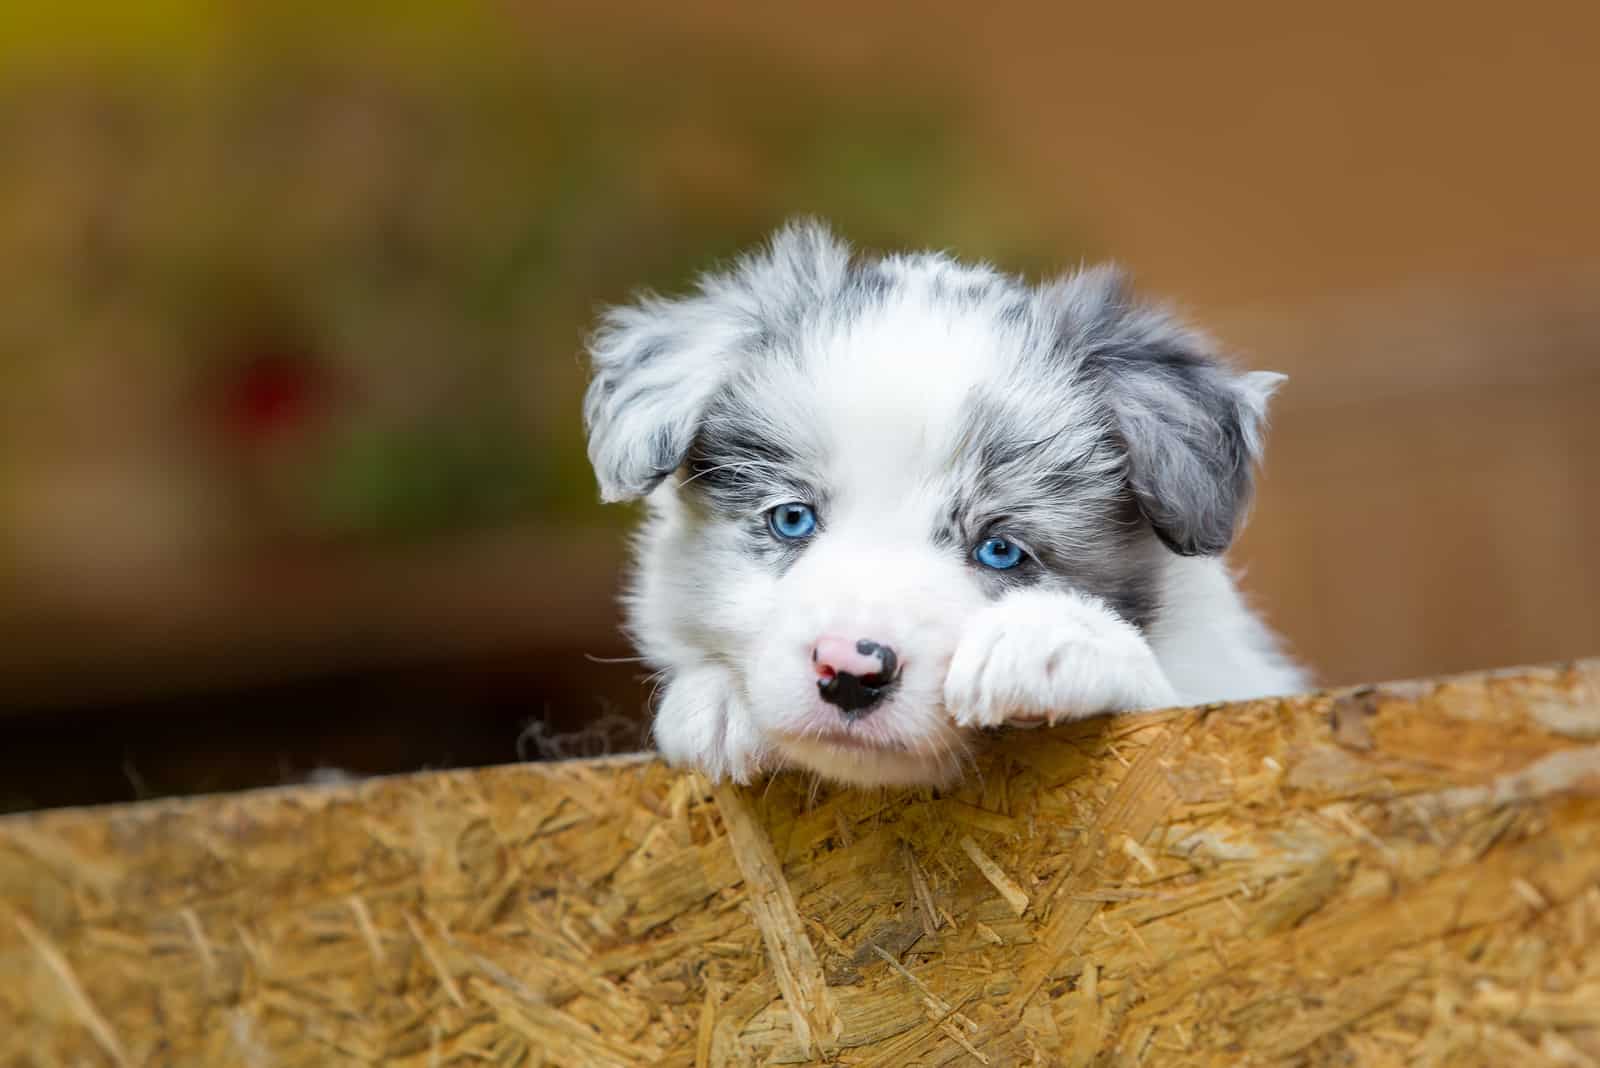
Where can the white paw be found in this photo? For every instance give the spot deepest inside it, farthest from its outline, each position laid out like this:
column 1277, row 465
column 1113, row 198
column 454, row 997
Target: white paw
column 700, row 723
column 1043, row 656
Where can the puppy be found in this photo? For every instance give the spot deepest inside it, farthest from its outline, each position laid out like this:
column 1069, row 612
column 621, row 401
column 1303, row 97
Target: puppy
column 895, row 500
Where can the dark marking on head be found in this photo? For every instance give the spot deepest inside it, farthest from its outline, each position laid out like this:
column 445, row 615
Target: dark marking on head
column 740, row 465
column 737, row 461
column 1057, row 490
column 663, row 452
column 1014, row 314
column 1190, row 425
column 649, row 349
column 976, row 293
column 659, row 362
column 869, row 285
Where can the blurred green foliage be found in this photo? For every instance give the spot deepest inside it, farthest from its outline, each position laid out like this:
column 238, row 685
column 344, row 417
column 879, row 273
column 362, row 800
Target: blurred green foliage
column 433, row 202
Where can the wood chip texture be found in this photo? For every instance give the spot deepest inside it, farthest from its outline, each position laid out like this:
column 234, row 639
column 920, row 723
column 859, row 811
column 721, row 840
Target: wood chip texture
column 1398, row 875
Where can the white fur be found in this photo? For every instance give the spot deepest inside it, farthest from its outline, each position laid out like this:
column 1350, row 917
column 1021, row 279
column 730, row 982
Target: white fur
column 876, row 401
column 1040, row 654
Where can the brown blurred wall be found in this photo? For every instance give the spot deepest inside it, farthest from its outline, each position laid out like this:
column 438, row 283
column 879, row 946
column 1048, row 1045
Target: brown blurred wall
column 1394, row 204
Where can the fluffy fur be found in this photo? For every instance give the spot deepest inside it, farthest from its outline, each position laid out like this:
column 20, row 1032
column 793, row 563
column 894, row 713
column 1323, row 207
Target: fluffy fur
column 921, row 406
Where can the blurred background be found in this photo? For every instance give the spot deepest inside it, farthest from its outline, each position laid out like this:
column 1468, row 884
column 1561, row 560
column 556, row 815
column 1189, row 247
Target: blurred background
column 292, row 298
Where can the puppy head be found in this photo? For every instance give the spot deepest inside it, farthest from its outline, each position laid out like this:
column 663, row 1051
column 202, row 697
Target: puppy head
column 846, row 459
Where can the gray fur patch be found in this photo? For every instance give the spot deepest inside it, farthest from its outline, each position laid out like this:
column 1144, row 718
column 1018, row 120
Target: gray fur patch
column 1190, row 425
column 1060, row 493
column 658, row 363
column 1115, row 412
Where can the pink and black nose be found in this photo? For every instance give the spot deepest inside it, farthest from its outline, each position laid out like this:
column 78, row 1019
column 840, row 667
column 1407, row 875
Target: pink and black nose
column 854, row 676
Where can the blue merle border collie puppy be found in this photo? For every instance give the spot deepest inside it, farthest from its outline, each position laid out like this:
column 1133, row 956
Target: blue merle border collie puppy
column 895, row 500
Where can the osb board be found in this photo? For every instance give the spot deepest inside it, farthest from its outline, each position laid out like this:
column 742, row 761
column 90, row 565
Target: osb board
column 1405, row 875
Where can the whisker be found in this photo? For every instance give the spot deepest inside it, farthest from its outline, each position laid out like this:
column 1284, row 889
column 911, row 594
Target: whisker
column 813, row 791
column 655, row 681
column 730, row 465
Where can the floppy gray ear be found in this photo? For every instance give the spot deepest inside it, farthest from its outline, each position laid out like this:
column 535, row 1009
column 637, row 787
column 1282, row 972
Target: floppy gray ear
column 1192, row 426
column 659, row 363
column 1193, row 433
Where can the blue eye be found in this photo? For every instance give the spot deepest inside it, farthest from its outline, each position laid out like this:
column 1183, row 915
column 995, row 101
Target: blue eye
column 997, row 553
column 791, row 522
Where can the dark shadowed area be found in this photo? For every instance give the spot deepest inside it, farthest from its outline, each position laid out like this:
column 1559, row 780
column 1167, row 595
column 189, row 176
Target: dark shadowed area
column 292, row 305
